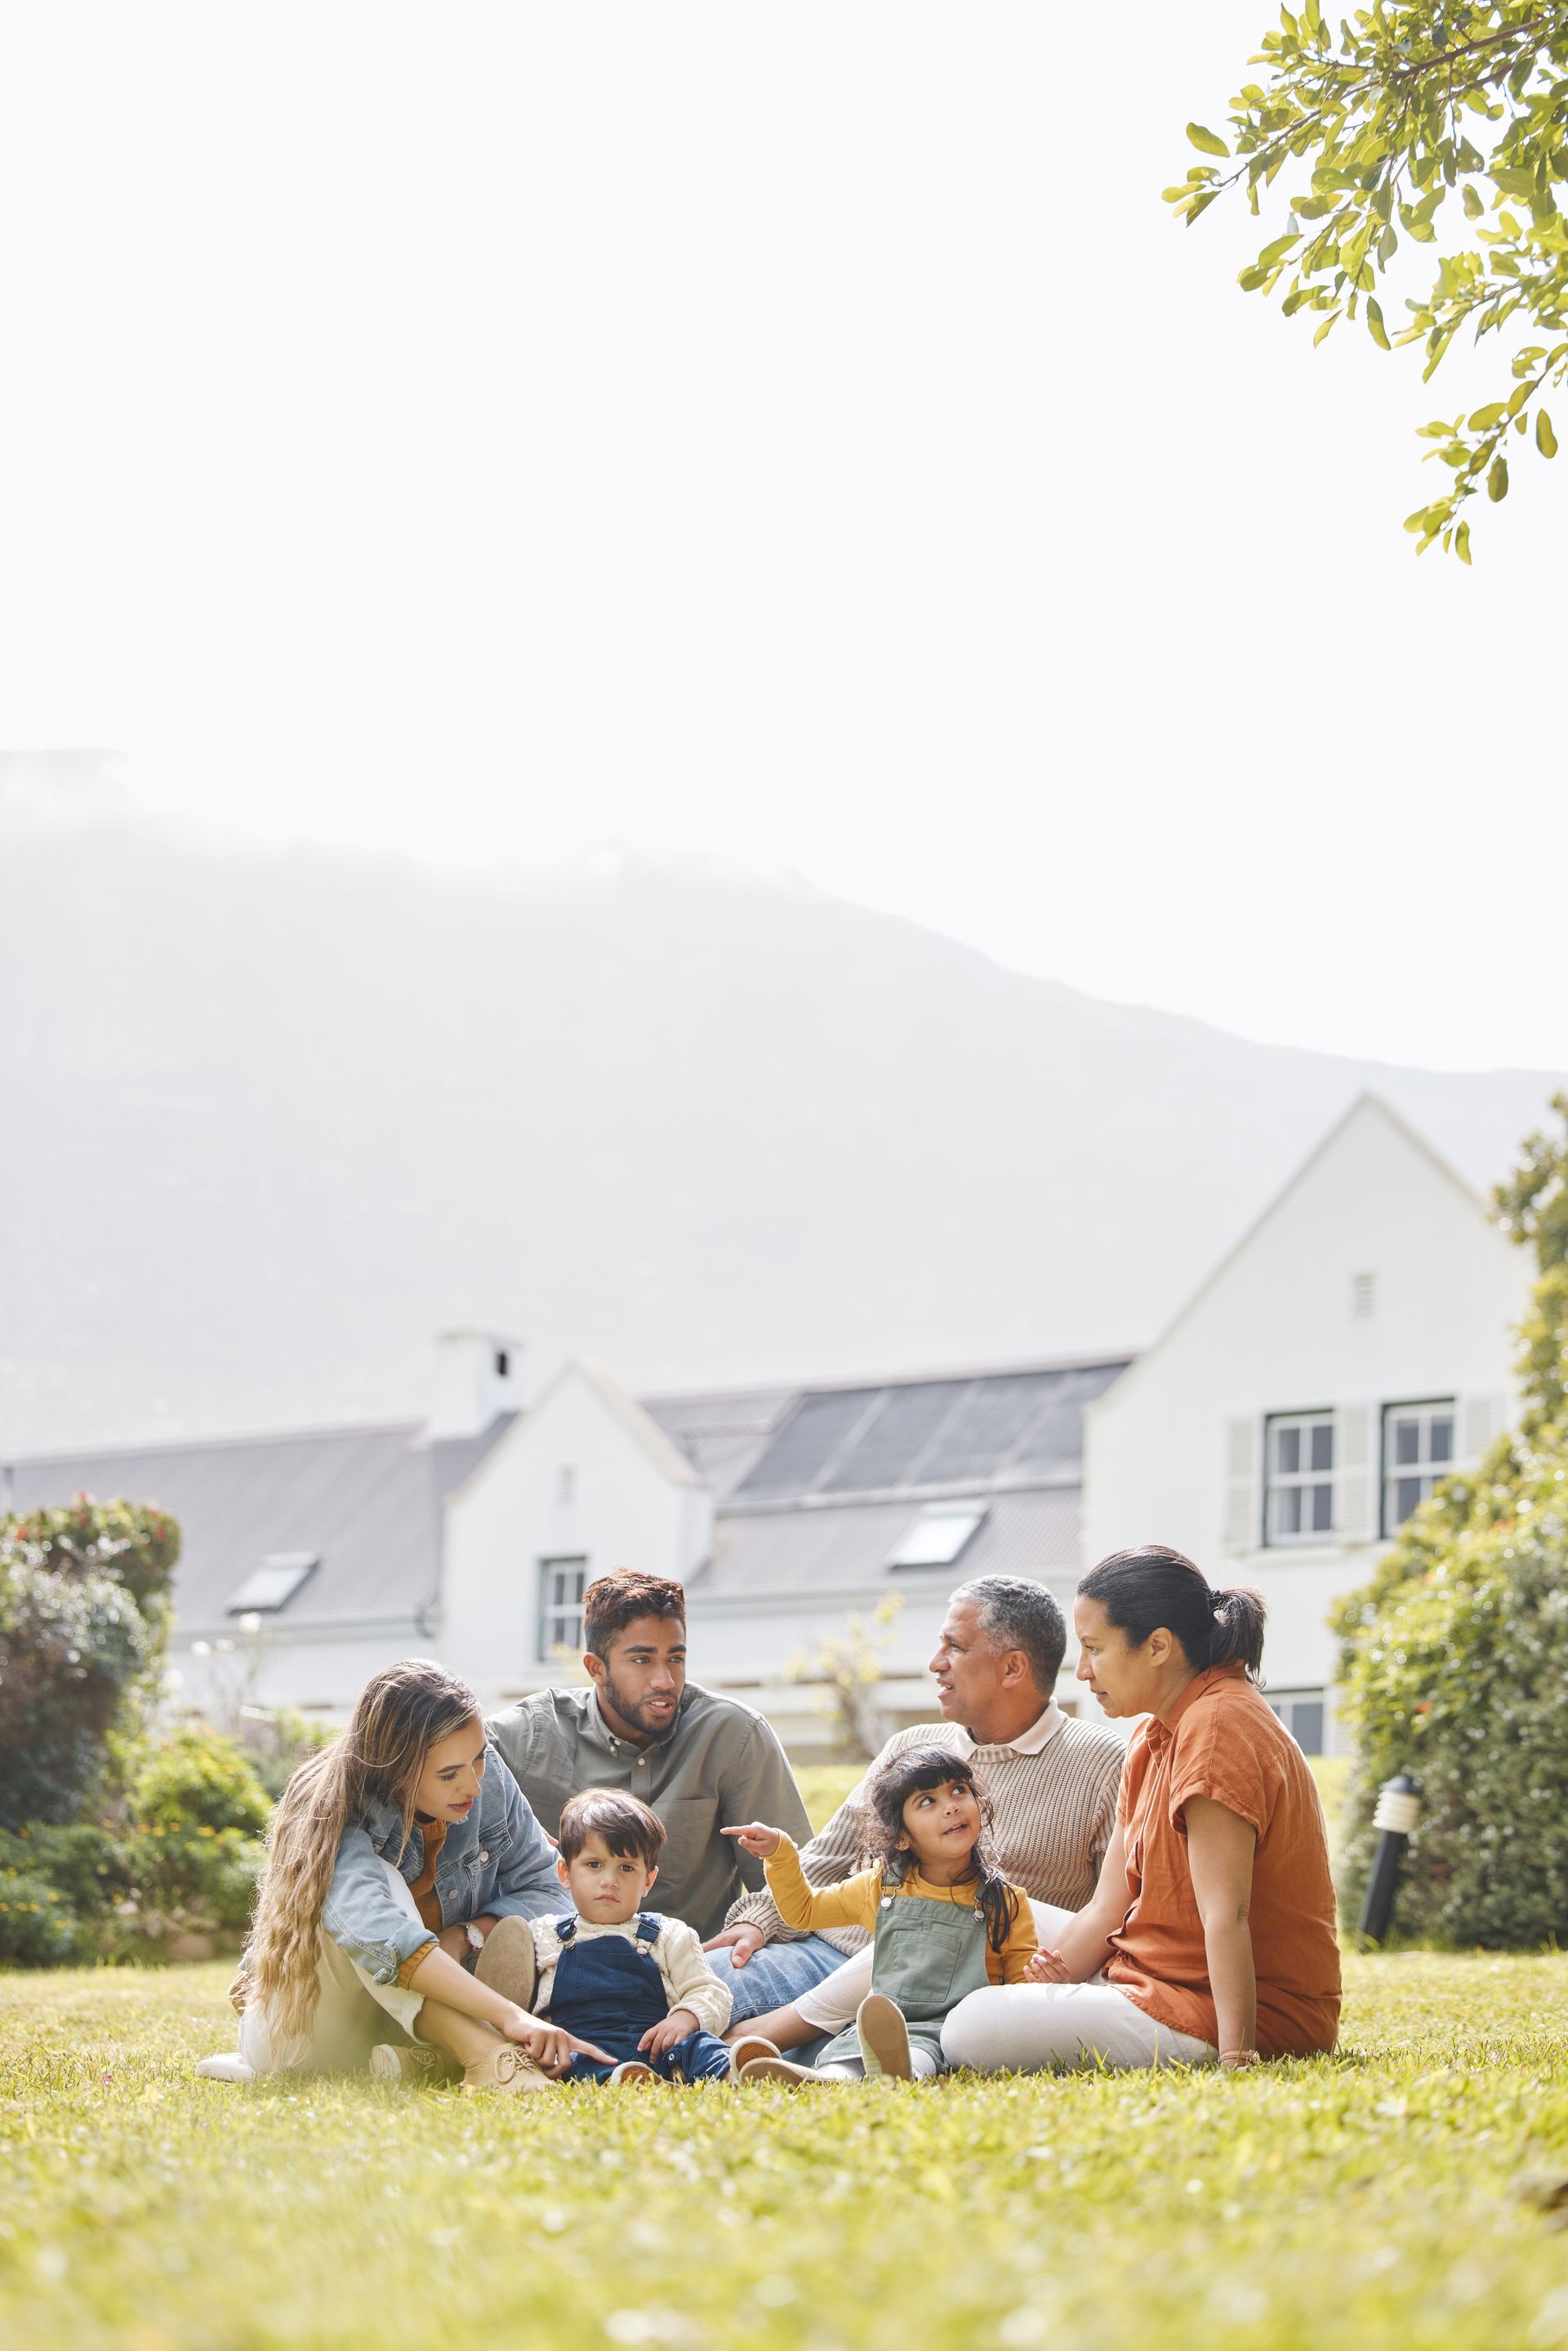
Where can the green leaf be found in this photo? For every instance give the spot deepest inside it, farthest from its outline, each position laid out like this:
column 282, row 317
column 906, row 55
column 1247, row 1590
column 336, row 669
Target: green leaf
column 1545, row 439
column 1485, row 418
column 1497, row 480
column 1277, row 250
column 1322, row 330
column 1204, row 141
column 1462, row 542
column 1200, row 204
column 1474, row 207
column 1375, row 326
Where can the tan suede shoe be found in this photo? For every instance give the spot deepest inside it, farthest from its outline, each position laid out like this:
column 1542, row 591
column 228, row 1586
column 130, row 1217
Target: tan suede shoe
column 507, row 1964
column 400, row 2061
column 742, row 2051
column 883, row 2039
column 508, row 2070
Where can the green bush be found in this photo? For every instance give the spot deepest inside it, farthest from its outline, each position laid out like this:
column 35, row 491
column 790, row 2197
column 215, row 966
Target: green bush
column 195, row 1882
column 197, row 1778
column 83, row 1619
column 36, row 1927
column 1456, row 1659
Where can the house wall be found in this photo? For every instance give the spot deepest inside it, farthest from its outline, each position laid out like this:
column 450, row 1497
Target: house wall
column 1173, row 1451
column 318, row 1669
column 572, row 1480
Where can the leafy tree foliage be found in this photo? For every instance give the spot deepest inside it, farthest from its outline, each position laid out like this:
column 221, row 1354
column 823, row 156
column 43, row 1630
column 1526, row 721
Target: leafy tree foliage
column 1414, row 101
column 83, row 1619
column 1456, row 1659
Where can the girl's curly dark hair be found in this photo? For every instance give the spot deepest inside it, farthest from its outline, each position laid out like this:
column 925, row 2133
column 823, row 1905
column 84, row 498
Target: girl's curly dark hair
column 882, row 1829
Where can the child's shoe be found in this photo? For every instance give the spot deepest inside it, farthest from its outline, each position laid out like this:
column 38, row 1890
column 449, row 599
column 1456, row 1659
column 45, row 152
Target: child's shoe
column 742, row 2051
column 507, row 1963
column 230, row 2067
column 393, row 2061
column 883, row 2039
column 778, row 2069
column 508, row 2069
column 632, row 2069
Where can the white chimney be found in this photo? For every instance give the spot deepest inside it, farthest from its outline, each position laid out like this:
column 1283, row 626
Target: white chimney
column 479, row 1376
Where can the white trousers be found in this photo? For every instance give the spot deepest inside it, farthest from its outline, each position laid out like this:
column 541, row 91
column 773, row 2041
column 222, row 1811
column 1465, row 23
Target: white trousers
column 1025, row 2028
column 352, row 2011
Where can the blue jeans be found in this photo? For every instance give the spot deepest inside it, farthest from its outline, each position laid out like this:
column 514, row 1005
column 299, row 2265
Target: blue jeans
column 774, row 1976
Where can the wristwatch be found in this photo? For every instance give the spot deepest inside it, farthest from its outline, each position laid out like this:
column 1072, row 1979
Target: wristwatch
column 475, row 1939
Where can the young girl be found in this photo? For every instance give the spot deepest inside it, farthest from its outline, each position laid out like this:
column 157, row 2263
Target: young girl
column 399, row 1849
column 945, row 1920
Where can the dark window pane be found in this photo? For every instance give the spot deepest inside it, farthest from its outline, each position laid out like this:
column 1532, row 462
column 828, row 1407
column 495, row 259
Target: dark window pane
column 807, row 1442
column 1290, row 1440
column 1406, row 1494
column 887, row 1445
column 1441, row 1447
column 1323, row 1508
column 1322, row 1445
column 1406, row 1441
column 1291, row 1511
column 991, row 1417
column 1306, row 1725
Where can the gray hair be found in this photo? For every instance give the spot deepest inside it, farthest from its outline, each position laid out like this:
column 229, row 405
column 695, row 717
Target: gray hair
column 1018, row 1615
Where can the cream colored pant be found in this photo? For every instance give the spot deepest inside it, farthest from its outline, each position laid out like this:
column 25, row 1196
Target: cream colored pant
column 1024, row 2028
column 352, row 2011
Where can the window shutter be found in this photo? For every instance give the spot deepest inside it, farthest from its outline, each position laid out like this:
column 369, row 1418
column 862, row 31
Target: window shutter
column 1356, row 1468
column 1242, row 1502
column 1483, row 1418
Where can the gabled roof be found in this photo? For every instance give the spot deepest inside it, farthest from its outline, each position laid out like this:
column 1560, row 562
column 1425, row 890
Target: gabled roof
column 368, row 1502
column 1367, row 1104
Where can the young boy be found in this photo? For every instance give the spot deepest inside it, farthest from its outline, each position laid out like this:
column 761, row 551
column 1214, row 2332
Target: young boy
column 630, row 1981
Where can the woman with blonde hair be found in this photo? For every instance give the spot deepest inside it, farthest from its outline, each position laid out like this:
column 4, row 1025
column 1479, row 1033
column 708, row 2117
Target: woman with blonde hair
column 390, row 1928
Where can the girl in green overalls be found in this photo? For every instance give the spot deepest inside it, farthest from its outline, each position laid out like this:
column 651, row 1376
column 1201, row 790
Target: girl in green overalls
column 944, row 1919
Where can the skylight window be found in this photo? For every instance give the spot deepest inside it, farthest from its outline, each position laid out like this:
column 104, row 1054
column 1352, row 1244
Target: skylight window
column 937, row 1537
column 274, row 1584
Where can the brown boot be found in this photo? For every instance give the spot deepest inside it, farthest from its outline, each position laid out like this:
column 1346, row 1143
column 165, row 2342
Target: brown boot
column 508, row 2069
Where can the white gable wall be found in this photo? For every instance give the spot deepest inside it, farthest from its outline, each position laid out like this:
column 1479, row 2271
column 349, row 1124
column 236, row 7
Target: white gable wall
column 1175, row 1449
column 584, row 1474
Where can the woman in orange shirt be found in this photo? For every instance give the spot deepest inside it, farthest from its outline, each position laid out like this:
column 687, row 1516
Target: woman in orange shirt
column 1211, row 1933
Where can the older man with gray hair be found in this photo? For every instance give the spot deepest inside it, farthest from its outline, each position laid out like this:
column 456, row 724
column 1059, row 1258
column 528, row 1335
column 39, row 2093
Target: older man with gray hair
column 1052, row 1781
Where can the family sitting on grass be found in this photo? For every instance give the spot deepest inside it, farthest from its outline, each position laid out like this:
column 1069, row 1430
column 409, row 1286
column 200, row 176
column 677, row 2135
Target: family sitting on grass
column 1010, row 1889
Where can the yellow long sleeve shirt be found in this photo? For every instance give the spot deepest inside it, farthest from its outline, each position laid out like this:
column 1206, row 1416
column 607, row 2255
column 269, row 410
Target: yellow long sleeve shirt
column 855, row 1902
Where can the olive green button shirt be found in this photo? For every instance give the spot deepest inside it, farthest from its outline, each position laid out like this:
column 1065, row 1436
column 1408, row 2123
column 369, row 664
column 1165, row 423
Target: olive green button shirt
column 718, row 1766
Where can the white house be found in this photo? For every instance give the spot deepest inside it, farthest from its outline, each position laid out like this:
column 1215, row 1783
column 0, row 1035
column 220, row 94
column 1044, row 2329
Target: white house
column 1354, row 1346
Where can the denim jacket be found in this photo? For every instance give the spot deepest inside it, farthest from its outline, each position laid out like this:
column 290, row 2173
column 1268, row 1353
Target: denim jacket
column 497, row 1861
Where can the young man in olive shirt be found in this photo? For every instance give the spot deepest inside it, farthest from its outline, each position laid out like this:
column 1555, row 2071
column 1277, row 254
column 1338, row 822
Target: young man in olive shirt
column 703, row 1763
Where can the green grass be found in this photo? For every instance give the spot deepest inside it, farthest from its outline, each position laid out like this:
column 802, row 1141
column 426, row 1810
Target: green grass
column 1368, row 2200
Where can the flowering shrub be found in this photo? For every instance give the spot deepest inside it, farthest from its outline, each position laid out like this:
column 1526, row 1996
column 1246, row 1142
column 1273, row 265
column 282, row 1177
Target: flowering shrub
column 1456, row 1659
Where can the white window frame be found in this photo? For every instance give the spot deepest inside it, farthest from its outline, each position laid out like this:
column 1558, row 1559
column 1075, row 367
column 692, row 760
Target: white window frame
column 1279, row 1483
column 1285, row 1703
column 1424, row 1471
column 562, row 1583
column 939, row 1536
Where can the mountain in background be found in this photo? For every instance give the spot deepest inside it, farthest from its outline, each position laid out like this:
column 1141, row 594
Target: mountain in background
column 273, row 1120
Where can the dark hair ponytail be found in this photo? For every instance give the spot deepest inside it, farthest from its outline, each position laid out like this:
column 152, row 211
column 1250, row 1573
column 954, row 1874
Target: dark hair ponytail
column 1140, row 1590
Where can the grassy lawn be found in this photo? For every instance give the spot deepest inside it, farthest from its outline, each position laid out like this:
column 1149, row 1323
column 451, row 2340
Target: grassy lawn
column 1368, row 2200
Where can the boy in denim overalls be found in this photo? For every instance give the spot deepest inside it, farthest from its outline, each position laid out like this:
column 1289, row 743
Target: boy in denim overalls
column 630, row 1981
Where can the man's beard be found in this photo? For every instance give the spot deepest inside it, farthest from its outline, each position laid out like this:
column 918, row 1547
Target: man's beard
column 636, row 1711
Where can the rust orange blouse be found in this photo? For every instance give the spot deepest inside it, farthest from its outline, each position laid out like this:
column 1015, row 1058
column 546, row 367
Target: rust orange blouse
column 1222, row 1740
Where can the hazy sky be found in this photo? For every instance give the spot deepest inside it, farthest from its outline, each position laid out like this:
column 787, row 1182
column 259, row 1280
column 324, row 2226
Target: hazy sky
column 798, row 436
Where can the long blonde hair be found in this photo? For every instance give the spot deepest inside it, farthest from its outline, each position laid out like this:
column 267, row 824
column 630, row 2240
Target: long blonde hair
column 400, row 1714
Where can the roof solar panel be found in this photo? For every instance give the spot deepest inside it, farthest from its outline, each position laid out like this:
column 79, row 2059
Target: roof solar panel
column 986, row 1422
column 1054, row 1439
column 807, row 1442
column 882, row 1454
